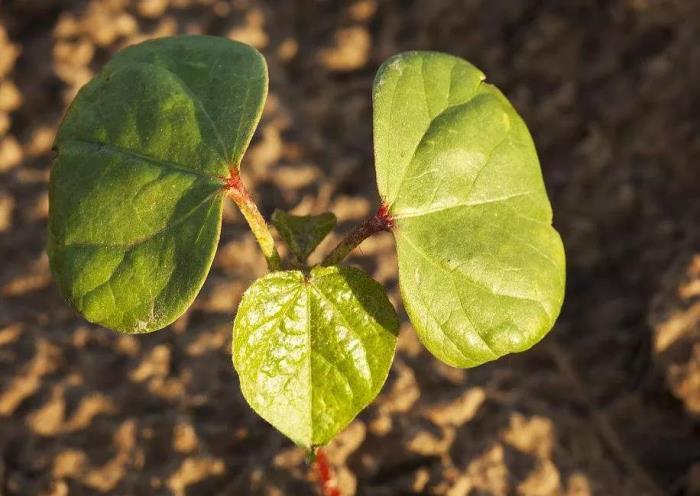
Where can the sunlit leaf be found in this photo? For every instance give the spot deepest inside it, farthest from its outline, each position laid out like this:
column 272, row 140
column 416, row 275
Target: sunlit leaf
column 313, row 350
column 481, row 269
column 136, row 189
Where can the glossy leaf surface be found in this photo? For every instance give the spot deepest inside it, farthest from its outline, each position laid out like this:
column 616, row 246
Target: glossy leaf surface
column 136, row 188
column 303, row 233
column 313, row 350
column 481, row 269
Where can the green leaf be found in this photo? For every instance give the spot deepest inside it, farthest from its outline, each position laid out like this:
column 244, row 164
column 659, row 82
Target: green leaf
column 481, row 269
column 136, row 190
column 313, row 351
column 303, row 233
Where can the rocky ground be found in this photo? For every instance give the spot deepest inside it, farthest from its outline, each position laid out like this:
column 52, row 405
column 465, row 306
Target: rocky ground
column 607, row 405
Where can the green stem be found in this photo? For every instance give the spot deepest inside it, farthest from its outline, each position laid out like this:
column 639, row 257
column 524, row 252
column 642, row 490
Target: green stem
column 237, row 192
column 381, row 221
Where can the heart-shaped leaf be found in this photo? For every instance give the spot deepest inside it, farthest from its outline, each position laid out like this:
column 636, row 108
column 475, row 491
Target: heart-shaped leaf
column 303, row 233
column 313, row 350
column 481, row 269
column 136, row 190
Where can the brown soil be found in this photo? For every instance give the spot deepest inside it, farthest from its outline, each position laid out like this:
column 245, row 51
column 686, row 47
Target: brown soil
column 608, row 404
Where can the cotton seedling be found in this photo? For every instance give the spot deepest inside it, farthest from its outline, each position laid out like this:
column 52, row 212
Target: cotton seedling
column 151, row 148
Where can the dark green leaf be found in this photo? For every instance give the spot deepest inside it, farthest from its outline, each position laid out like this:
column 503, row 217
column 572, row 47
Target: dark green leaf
column 303, row 233
column 136, row 190
column 313, row 351
column 481, row 270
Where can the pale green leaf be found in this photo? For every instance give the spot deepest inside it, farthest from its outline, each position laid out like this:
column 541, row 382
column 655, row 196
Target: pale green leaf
column 481, row 269
column 313, row 350
column 135, row 197
column 303, row 233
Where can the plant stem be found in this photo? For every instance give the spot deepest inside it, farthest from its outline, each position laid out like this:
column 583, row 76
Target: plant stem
column 236, row 191
column 326, row 477
column 381, row 221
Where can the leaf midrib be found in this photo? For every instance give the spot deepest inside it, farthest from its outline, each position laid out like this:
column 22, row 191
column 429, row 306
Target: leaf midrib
column 420, row 213
column 136, row 155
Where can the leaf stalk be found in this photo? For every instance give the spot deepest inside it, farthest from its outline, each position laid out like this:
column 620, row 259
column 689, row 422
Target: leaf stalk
column 381, row 221
column 237, row 192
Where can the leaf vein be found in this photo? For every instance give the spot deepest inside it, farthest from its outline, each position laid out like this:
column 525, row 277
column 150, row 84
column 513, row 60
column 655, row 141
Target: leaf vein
column 345, row 320
column 160, row 232
column 425, row 133
column 130, row 153
column 198, row 101
column 420, row 213
column 469, row 278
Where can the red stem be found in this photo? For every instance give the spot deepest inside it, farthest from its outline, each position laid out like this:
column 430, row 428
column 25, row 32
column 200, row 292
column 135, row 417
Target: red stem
column 326, row 478
column 381, row 221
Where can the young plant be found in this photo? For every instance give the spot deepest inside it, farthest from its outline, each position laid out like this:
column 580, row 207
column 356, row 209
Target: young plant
column 151, row 148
